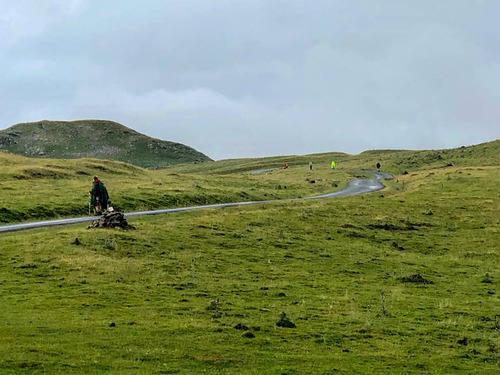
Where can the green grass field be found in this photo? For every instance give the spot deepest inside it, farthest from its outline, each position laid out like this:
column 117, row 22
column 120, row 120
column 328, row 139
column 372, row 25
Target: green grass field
column 39, row 188
column 401, row 281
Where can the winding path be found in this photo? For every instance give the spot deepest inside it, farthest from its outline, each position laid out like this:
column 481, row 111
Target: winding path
column 354, row 187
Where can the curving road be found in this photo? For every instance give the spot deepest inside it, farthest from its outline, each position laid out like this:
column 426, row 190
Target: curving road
column 354, row 187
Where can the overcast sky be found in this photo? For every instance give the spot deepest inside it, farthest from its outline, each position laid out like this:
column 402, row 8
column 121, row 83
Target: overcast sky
column 243, row 78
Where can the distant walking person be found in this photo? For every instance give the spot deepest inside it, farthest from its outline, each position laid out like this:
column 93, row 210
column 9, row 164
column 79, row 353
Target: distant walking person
column 310, row 166
column 286, row 166
column 333, row 165
column 99, row 197
column 378, row 167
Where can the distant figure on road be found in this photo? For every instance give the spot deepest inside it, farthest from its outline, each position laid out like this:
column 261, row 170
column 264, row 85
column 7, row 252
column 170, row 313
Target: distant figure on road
column 378, row 167
column 310, row 166
column 99, row 198
column 333, row 165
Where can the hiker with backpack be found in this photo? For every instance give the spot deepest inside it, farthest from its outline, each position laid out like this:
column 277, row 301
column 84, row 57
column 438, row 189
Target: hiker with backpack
column 99, row 198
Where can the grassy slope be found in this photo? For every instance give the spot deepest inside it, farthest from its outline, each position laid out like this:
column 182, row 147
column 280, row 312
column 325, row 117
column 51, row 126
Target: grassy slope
column 393, row 161
column 336, row 267
column 94, row 138
column 49, row 188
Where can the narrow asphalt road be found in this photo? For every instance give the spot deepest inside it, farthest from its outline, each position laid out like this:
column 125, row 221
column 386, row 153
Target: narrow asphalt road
column 354, row 187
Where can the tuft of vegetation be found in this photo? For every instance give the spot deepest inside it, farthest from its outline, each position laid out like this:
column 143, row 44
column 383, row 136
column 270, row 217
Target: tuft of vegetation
column 487, row 279
column 416, row 278
column 285, row 322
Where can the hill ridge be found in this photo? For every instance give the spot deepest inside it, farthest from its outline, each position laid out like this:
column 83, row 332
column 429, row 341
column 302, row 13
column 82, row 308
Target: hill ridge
column 94, row 138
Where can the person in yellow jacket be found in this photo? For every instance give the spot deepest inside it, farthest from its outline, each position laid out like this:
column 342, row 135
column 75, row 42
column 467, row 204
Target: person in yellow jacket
column 333, row 165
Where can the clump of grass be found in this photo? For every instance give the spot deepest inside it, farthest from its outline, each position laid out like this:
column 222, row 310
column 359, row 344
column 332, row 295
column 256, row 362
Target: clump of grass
column 216, row 308
column 285, row 322
column 487, row 279
column 383, row 304
column 416, row 278
column 492, row 348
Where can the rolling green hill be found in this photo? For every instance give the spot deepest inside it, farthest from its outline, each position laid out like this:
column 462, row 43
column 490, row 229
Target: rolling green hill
column 392, row 161
column 95, row 139
column 43, row 188
column 400, row 281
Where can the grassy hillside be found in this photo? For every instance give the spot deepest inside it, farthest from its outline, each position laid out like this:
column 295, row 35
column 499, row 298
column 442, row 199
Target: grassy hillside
column 397, row 161
column 402, row 281
column 50, row 188
column 392, row 161
column 32, row 188
column 94, row 139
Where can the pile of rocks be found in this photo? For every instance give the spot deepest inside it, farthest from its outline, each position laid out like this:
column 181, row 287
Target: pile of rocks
column 111, row 219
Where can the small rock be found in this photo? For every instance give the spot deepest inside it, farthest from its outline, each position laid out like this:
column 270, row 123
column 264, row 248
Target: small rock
column 241, row 327
column 396, row 246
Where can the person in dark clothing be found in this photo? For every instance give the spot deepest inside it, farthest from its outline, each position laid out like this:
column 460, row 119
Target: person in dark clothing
column 378, row 167
column 99, row 197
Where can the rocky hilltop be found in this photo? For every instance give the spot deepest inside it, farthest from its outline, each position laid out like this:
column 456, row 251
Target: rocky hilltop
column 95, row 139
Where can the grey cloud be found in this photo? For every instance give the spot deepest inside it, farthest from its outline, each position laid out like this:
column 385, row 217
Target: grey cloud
column 255, row 78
